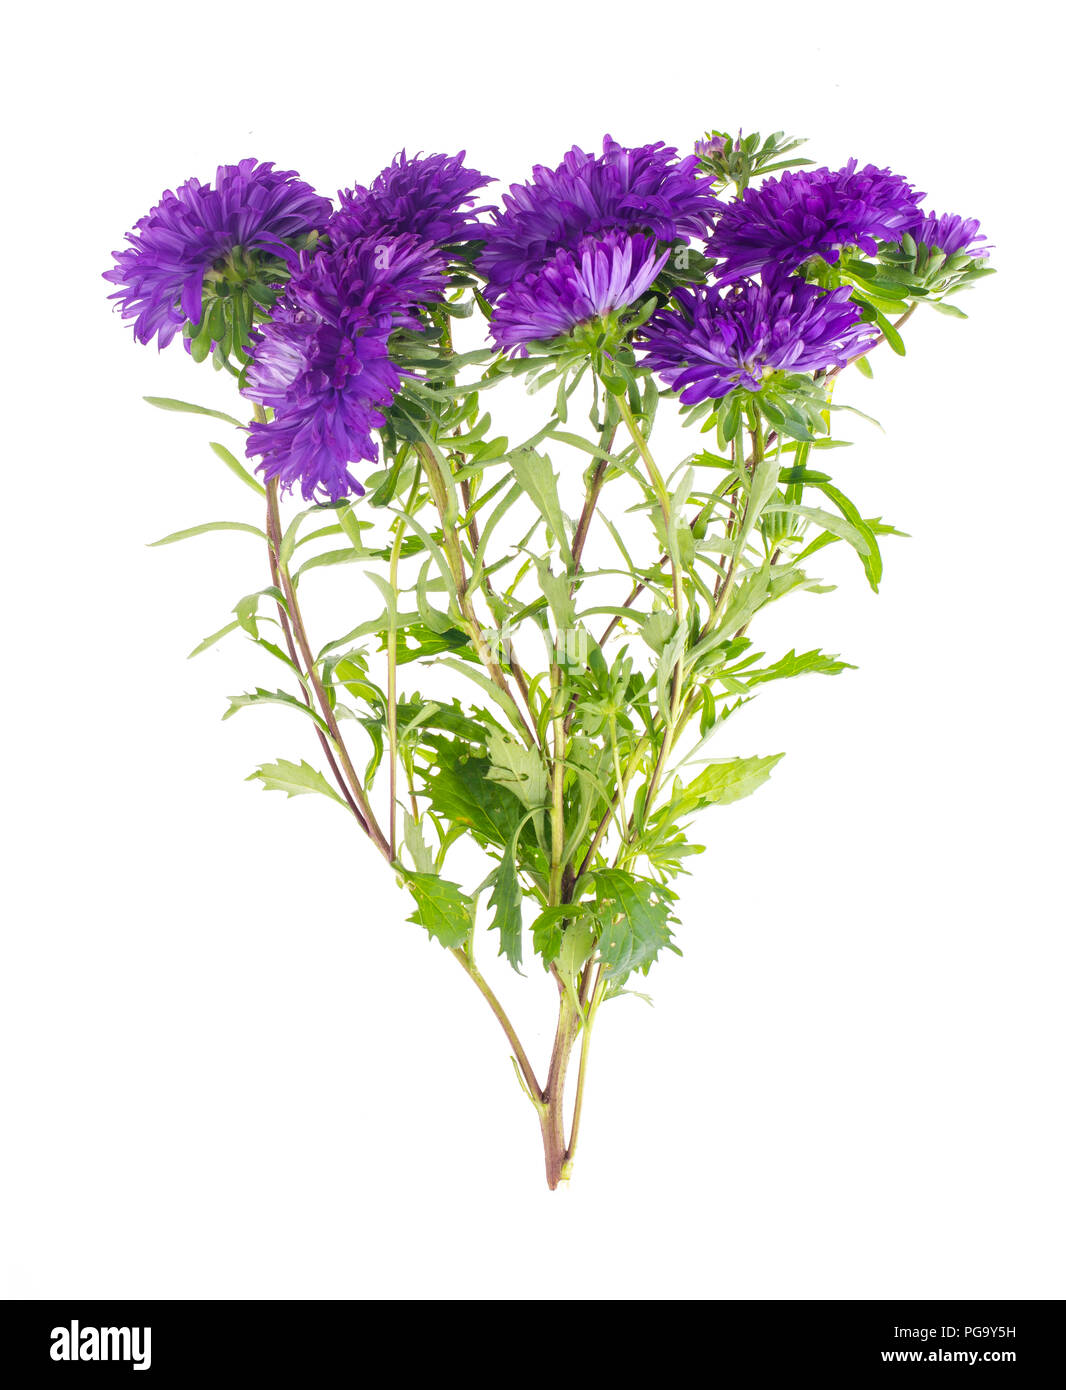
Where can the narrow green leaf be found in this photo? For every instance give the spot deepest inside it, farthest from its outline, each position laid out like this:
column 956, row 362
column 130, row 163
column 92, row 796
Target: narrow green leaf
column 185, row 408
column 210, row 526
column 215, row 637
column 238, row 469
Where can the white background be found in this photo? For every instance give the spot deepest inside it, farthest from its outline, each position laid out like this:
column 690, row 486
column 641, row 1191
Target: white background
column 229, row 1068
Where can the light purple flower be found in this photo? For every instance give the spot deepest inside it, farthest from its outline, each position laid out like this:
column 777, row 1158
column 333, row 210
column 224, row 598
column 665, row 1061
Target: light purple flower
column 950, row 234
column 602, row 275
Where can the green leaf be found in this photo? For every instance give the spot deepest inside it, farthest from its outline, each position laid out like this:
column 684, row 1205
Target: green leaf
column 215, row 637
column 419, row 643
column 506, row 899
column 816, row 662
column 415, row 841
column 247, row 608
column 634, row 915
column 578, row 943
column 272, row 697
column 719, row 784
column 210, row 526
column 556, row 589
column 295, row 779
column 491, row 689
column 548, row 928
column 518, row 768
column 185, row 408
column 460, row 791
column 533, row 473
column 329, row 557
column 441, row 907
column 238, row 469
column 951, row 310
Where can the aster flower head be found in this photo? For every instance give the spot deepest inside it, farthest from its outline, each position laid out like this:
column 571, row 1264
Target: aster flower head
column 603, row 275
column 719, row 339
column 251, row 217
column 811, row 212
column 428, row 196
column 322, row 363
column 647, row 189
column 950, row 234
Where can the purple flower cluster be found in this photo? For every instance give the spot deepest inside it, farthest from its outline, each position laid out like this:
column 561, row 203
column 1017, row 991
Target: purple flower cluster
column 805, row 213
column 574, row 245
column 720, row 339
column 622, row 190
column 428, row 197
column 322, row 362
column 575, row 241
column 602, row 275
column 251, row 206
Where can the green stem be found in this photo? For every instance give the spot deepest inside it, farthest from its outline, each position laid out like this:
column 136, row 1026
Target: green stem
column 552, row 1123
column 394, row 575
column 528, row 1074
column 558, row 825
column 582, row 1069
column 454, row 551
column 659, row 487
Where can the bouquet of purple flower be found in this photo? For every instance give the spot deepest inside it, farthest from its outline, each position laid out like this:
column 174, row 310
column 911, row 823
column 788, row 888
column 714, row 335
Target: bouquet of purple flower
column 572, row 695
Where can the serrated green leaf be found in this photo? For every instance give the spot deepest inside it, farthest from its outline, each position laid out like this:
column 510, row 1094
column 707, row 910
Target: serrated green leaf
column 441, row 907
column 634, row 915
column 533, row 473
column 719, row 784
column 294, row 779
column 272, row 697
column 506, row 900
column 518, row 768
column 809, row 663
column 415, row 840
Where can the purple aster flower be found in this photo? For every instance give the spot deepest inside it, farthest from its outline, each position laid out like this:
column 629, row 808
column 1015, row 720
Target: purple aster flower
column 808, row 213
column 428, row 196
column 623, row 190
column 601, row 275
column 719, row 339
column 322, row 362
column 252, row 206
column 950, row 234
